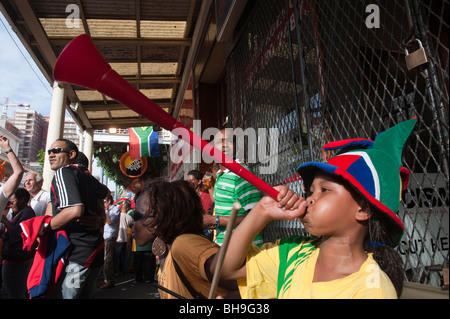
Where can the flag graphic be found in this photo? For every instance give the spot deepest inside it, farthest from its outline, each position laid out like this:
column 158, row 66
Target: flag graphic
column 143, row 142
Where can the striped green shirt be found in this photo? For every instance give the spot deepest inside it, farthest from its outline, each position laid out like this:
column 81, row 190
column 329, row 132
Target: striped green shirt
column 229, row 188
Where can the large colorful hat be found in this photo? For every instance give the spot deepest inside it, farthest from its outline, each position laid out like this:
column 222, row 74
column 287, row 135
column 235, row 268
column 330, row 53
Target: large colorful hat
column 373, row 168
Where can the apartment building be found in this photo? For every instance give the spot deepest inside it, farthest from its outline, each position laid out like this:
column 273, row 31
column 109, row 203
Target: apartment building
column 71, row 131
column 31, row 125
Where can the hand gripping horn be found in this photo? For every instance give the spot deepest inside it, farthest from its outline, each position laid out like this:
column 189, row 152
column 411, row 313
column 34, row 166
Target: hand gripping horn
column 80, row 63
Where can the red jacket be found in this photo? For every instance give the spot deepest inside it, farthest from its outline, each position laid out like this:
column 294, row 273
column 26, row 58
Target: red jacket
column 48, row 263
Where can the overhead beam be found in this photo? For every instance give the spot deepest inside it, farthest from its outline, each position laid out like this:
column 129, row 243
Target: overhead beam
column 46, row 49
column 120, row 123
column 35, row 27
column 92, row 107
column 153, row 79
column 198, row 36
column 128, row 41
column 83, row 17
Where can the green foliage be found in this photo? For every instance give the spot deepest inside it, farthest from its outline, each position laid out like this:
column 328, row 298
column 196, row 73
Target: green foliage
column 41, row 157
column 109, row 159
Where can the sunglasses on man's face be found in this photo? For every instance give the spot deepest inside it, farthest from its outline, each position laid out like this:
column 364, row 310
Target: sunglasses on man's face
column 57, row 150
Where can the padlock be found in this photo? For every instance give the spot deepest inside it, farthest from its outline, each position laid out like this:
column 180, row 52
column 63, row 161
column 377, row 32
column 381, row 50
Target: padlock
column 416, row 58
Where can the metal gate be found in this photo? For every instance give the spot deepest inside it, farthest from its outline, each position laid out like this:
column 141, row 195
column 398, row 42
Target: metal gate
column 320, row 71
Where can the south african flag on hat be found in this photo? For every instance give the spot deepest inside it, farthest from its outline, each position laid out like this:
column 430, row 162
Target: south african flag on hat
column 373, row 168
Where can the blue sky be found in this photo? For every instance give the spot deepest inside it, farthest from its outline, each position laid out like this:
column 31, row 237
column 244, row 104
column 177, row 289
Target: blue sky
column 17, row 79
column 22, row 81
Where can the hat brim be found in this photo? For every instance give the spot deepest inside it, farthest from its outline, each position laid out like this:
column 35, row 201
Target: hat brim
column 308, row 170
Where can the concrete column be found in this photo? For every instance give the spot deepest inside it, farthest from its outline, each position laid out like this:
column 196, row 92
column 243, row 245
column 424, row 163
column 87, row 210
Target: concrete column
column 88, row 145
column 55, row 129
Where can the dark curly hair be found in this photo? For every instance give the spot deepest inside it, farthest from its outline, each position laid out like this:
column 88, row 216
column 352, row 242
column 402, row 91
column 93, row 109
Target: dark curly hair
column 22, row 193
column 196, row 173
column 176, row 208
column 385, row 255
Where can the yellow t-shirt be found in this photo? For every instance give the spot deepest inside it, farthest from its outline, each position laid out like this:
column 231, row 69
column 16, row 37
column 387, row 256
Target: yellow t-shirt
column 191, row 252
column 267, row 278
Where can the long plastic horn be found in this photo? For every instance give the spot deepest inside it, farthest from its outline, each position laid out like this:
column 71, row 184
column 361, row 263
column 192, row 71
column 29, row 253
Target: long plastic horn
column 80, row 63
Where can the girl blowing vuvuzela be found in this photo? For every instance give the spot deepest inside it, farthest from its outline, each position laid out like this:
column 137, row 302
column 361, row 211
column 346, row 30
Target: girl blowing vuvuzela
column 350, row 209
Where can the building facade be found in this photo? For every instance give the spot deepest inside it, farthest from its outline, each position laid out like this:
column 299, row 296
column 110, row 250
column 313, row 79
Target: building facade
column 71, row 131
column 32, row 126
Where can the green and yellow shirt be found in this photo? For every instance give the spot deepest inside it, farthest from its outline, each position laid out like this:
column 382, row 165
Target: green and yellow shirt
column 285, row 270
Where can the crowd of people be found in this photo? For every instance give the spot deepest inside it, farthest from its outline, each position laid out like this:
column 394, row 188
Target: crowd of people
column 77, row 221
column 17, row 204
column 350, row 211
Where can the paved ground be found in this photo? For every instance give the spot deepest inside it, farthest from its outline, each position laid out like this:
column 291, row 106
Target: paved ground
column 127, row 288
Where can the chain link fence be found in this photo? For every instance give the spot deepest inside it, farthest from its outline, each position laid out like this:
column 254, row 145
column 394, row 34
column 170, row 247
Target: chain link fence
column 320, row 71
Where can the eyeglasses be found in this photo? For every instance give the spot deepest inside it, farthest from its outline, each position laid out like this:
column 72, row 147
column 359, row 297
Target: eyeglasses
column 57, row 150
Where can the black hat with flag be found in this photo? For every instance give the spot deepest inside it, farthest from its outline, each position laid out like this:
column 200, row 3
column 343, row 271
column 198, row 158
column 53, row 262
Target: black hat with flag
column 373, row 168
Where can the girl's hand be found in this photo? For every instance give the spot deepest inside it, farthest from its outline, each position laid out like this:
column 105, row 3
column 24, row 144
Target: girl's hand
column 288, row 205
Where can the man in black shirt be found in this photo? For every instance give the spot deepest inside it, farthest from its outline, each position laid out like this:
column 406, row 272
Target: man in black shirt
column 75, row 194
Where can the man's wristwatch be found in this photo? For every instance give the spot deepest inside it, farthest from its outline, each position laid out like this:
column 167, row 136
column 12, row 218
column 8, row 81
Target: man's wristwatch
column 8, row 151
